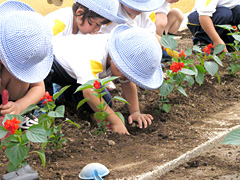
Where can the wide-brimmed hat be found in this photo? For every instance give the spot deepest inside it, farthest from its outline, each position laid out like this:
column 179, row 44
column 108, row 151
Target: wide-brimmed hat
column 106, row 8
column 143, row 5
column 137, row 53
column 25, row 42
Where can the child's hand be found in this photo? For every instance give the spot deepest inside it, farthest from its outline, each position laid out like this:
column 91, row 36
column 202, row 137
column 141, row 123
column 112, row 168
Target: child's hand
column 119, row 127
column 10, row 108
column 142, row 119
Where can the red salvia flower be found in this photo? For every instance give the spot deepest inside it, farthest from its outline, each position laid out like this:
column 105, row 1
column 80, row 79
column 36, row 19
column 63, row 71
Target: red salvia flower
column 235, row 28
column 175, row 67
column 207, row 49
column 182, row 54
column 96, row 84
column 12, row 125
column 46, row 97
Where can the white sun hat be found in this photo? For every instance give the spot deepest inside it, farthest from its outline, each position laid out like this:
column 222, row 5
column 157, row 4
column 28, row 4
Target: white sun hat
column 106, row 8
column 143, row 5
column 137, row 54
column 25, row 42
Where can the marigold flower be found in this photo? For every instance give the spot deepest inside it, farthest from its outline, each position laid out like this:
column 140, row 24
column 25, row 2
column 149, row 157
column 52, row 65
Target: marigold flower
column 175, row 67
column 207, row 49
column 182, row 54
column 235, row 28
column 46, row 97
column 12, row 125
column 96, row 84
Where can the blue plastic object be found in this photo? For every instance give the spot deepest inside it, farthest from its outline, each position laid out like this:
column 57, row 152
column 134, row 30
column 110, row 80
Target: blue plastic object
column 93, row 171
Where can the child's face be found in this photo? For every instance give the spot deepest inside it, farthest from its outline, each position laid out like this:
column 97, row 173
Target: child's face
column 90, row 26
column 116, row 72
column 131, row 12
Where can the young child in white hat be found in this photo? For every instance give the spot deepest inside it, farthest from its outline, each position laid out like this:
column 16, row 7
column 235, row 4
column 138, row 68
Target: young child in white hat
column 85, row 16
column 25, row 55
column 120, row 53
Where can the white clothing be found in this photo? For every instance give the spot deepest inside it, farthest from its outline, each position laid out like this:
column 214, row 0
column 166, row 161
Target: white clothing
column 142, row 20
column 165, row 8
column 208, row 7
column 61, row 21
column 83, row 57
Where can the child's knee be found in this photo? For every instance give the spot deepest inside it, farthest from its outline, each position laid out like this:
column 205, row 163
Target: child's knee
column 177, row 13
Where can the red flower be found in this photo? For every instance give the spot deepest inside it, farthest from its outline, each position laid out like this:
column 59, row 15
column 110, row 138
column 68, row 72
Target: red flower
column 47, row 98
column 235, row 28
column 182, row 54
column 96, row 84
column 12, row 125
column 207, row 49
column 175, row 67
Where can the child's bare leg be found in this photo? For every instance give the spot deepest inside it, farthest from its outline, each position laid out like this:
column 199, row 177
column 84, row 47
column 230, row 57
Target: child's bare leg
column 161, row 23
column 175, row 18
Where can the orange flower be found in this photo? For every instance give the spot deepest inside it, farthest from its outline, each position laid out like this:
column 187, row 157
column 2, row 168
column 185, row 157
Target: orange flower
column 207, row 49
column 96, row 84
column 47, row 98
column 235, row 28
column 182, row 54
column 12, row 125
column 175, row 67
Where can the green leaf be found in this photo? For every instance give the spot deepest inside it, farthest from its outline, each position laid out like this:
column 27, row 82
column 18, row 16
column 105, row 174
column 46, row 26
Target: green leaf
column 30, row 108
column 11, row 167
column 188, row 51
column 59, row 112
column 167, row 107
column 211, row 67
column 101, row 116
column 181, row 90
column 84, row 86
column 197, row 48
column 236, row 36
column 200, row 75
column 227, row 27
column 68, row 120
column 168, row 42
column 166, row 88
column 16, row 153
column 57, row 94
column 190, row 80
column 37, row 134
column 219, row 48
column 216, row 58
column 120, row 99
column 43, row 118
column 108, row 79
column 3, row 132
column 179, row 77
column 232, row 138
column 42, row 157
column 82, row 102
column 187, row 71
column 120, row 116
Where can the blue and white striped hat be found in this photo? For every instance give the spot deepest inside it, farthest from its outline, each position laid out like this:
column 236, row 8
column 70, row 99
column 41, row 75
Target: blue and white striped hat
column 25, row 42
column 137, row 54
column 106, row 8
column 143, row 5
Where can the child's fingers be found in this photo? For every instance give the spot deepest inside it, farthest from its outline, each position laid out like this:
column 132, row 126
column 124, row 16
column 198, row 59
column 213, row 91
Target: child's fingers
column 130, row 120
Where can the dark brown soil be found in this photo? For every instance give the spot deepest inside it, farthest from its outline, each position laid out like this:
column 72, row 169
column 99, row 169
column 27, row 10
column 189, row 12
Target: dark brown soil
column 170, row 135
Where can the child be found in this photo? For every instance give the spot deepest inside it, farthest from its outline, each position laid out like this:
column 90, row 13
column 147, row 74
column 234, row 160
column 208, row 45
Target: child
column 168, row 22
column 85, row 16
column 25, row 56
column 120, row 53
column 206, row 15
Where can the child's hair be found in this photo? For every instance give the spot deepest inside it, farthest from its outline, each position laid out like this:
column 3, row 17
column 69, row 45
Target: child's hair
column 87, row 14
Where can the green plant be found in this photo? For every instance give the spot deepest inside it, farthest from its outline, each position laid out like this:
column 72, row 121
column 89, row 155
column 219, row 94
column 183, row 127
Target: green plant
column 49, row 112
column 232, row 138
column 17, row 145
column 97, row 87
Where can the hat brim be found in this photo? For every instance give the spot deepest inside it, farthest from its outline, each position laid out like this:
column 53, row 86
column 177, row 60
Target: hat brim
column 143, row 6
column 151, row 83
column 92, row 5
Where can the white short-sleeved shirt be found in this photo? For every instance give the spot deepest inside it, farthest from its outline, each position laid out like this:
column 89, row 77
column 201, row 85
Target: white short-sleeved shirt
column 142, row 20
column 165, row 8
column 208, row 7
column 83, row 57
column 61, row 21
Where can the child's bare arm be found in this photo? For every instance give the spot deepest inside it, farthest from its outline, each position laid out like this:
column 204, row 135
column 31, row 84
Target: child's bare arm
column 33, row 95
column 208, row 27
column 130, row 94
column 116, row 123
